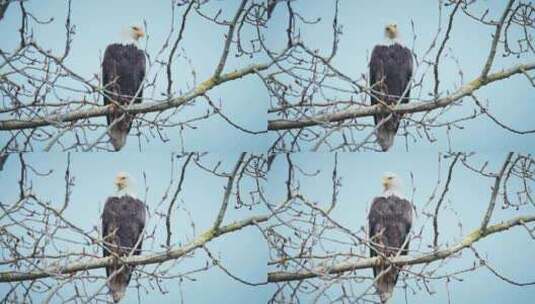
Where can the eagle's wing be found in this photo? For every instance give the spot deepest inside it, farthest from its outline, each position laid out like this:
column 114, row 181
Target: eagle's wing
column 110, row 78
column 377, row 226
column 109, row 228
column 376, row 70
column 405, row 211
column 376, row 66
column 376, row 76
column 407, row 67
column 140, row 67
column 140, row 218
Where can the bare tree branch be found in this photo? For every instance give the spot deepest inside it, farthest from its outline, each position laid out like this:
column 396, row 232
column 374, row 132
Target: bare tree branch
column 164, row 256
column 495, row 191
column 414, row 107
column 145, row 107
column 228, row 191
column 468, row 241
column 495, row 40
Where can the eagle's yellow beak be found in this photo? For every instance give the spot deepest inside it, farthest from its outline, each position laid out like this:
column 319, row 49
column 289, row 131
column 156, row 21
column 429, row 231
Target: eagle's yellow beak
column 120, row 182
column 140, row 34
column 137, row 32
column 391, row 30
column 385, row 181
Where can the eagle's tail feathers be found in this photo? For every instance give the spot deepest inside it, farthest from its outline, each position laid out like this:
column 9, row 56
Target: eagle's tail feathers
column 386, row 283
column 118, row 136
column 118, row 284
column 385, row 138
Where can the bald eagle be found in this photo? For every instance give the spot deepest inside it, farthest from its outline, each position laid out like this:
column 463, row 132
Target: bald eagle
column 390, row 221
column 390, row 75
column 123, row 221
column 123, row 70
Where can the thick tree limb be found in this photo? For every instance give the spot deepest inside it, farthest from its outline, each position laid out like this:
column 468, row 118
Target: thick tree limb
column 146, row 107
column 463, row 91
column 469, row 240
column 161, row 257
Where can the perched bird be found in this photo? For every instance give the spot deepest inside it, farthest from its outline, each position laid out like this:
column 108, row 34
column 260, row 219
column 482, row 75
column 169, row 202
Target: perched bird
column 123, row 221
column 390, row 221
column 390, row 75
column 123, row 70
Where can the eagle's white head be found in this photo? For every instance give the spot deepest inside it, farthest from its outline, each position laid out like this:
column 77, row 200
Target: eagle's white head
column 392, row 185
column 133, row 33
column 392, row 34
column 391, row 31
column 124, row 184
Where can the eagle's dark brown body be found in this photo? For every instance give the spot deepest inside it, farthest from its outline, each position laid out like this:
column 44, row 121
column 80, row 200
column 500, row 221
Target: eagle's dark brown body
column 123, row 220
column 123, row 70
column 390, row 74
column 390, row 221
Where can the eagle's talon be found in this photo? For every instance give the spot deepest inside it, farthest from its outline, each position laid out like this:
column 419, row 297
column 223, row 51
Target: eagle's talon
column 381, row 261
column 114, row 108
column 385, row 105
